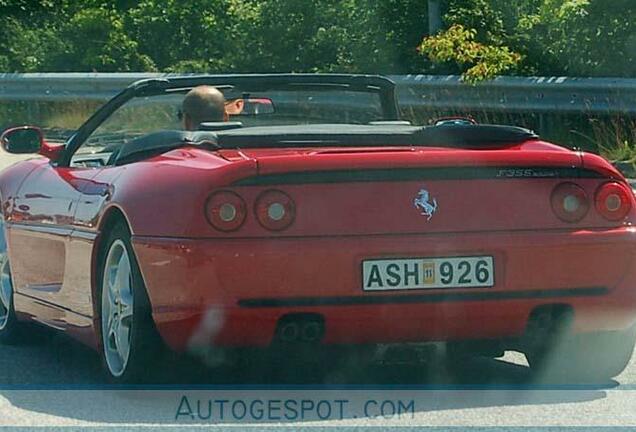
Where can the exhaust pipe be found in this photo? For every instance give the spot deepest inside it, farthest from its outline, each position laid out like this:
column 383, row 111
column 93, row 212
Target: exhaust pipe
column 300, row 328
column 289, row 332
column 311, row 331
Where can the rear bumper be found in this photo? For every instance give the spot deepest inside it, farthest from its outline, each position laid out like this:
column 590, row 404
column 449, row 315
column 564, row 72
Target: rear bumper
column 233, row 292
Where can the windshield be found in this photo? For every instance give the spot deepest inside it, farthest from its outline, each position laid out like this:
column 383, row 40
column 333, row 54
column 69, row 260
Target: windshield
column 144, row 115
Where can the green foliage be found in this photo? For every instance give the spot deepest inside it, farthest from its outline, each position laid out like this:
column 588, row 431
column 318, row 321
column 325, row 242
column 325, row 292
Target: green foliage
column 545, row 37
column 478, row 15
column 171, row 32
column 212, row 35
column 556, row 37
column 588, row 37
column 96, row 40
column 327, row 35
column 476, row 61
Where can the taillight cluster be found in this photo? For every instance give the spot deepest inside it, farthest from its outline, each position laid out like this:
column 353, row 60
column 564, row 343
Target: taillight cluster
column 570, row 202
column 227, row 211
column 275, row 210
column 612, row 200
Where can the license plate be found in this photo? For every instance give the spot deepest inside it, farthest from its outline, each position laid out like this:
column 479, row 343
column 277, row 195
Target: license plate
column 423, row 273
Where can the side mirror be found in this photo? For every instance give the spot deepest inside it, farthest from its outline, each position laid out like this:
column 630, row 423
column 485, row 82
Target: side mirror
column 22, row 140
column 29, row 140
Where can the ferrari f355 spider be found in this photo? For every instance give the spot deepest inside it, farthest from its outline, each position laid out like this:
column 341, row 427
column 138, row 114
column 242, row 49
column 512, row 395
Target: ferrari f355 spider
column 321, row 218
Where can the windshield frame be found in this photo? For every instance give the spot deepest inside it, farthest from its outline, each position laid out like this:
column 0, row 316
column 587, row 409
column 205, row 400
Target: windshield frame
column 380, row 85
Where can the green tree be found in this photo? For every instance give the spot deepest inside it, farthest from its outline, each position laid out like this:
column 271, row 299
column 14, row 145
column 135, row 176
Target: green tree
column 555, row 37
column 327, row 35
column 475, row 60
column 586, row 37
column 178, row 34
column 95, row 40
column 27, row 34
column 545, row 37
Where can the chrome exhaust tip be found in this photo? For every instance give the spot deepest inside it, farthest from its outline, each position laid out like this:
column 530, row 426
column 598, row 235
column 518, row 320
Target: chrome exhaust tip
column 300, row 328
column 311, row 331
column 289, row 332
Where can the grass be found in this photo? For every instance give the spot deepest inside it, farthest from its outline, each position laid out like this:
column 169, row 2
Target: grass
column 55, row 117
column 617, row 139
column 69, row 116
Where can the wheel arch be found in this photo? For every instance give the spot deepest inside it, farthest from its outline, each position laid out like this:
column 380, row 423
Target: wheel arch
column 111, row 217
column 114, row 228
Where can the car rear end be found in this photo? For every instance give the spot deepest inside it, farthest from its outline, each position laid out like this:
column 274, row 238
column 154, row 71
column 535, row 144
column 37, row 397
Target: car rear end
column 387, row 245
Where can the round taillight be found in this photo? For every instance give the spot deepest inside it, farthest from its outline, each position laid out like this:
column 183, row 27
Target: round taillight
column 225, row 210
column 569, row 202
column 613, row 201
column 275, row 210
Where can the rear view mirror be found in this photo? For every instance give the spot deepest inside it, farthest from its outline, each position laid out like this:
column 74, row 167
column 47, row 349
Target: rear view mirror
column 249, row 106
column 22, row 140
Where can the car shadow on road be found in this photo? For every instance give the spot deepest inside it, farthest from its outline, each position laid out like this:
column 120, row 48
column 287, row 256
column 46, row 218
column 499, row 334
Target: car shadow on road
column 62, row 378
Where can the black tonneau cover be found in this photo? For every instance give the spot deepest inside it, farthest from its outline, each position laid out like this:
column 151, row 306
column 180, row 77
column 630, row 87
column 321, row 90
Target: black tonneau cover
column 330, row 135
column 463, row 136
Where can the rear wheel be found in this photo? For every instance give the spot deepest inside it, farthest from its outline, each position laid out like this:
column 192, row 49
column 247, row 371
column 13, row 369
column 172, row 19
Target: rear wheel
column 585, row 358
column 129, row 339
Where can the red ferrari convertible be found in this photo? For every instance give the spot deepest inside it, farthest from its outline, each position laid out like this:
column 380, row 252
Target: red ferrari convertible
column 320, row 218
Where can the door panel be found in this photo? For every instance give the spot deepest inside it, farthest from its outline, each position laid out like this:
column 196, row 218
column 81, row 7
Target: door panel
column 41, row 227
column 38, row 255
column 52, row 233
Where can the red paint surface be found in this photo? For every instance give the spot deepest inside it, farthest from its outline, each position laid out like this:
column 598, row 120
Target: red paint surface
column 187, row 278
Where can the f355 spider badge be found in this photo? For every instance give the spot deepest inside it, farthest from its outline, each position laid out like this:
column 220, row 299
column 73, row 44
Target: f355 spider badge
column 422, row 203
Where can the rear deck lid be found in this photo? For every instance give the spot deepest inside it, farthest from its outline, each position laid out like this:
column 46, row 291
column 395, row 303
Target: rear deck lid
column 419, row 191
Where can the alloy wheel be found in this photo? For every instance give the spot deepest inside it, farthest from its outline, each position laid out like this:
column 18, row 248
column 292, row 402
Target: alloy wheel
column 117, row 308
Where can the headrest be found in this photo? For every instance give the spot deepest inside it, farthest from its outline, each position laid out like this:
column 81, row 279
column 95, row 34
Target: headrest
column 220, row 126
column 390, row 123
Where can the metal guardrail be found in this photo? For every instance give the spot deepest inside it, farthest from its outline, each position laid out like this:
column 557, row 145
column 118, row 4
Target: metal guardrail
column 66, row 86
column 599, row 96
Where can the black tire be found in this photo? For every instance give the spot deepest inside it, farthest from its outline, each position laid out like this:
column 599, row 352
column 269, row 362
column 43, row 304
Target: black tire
column 145, row 345
column 583, row 359
column 12, row 331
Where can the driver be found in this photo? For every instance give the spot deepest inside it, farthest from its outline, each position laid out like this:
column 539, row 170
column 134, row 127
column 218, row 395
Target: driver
column 234, row 106
column 203, row 104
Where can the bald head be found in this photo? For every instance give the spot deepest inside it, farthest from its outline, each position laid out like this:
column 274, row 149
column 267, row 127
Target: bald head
column 203, row 104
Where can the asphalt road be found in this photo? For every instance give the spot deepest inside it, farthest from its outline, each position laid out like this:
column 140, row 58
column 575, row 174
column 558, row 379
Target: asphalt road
column 51, row 380
column 55, row 381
